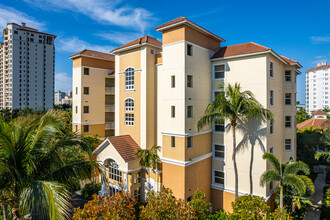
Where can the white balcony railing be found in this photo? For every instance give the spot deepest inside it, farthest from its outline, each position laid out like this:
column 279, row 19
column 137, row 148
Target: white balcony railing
column 110, row 108
column 110, row 125
column 109, row 90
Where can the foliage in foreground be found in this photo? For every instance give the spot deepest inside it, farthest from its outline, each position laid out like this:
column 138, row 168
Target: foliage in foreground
column 325, row 210
column 90, row 189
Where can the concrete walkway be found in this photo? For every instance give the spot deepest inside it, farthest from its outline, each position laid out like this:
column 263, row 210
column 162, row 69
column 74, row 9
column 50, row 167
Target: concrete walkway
column 313, row 213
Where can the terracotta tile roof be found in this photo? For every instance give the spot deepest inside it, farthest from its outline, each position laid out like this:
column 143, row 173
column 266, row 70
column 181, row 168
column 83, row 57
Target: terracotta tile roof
column 141, row 40
column 95, row 54
column 171, row 22
column 315, row 122
column 318, row 68
column 125, row 146
column 177, row 20
column 239, row 49
column 288, row 59
column 319, row 112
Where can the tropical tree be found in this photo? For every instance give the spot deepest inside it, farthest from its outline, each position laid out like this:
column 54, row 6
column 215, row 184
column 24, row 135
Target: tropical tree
column 148, row 158
column 287, row 175
column 308, row 140
column 32, row 169
column 234, row 105
column 302, row 115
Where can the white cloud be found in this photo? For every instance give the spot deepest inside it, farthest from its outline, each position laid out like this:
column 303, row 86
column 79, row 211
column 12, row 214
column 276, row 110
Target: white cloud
column 74, row 44
column 63, row 82
column 114, row 12
column 119, row 37
column 11, row 15
column 320, row 39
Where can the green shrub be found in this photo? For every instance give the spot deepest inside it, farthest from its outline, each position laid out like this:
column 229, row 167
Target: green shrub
column 325, row 210
column 327, row 180
column 219, row 215
column 90, row 189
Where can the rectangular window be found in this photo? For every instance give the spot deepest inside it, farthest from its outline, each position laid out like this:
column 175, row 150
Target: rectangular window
column 271, row 97
column 86, row 109
column 219, row 151
column 287, row 76
column 287, row 144
column 288, row 98
column 129, row 119
column 271, row 127
column 220, row 127
column 271, row 70
column 219, row 177
column 173, row 81
column 271, row 149
column 189, row 81
column 189, row 142
column 86, row 90
column 86, row 71
column 172, row 141
column 288, row 121
column 216, row 93
column 76, row 109
column 189, row 50
column 86, row 128
column 189, row 111
column 76, row 90
column 219, row 71
column 173, row 111
column 137, row 177
column 137, row 193
column 76, row 127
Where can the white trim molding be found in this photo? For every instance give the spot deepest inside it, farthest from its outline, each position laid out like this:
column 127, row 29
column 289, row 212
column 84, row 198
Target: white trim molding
column 186, row 163
column 87, row 123
column 187, row 134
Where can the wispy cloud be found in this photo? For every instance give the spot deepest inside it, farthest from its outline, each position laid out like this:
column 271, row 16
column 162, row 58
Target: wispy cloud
column 11, row 15
column 74, row 44
column 209, row 12
column 320, row 39
column 119, row 37
column 63, row 82
column 115, row 12
column 319, row 59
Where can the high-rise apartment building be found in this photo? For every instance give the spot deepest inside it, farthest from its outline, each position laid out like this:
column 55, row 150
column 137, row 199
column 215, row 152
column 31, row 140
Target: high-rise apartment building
column 58, row 96
column 27, row 68
column 161, row 91
column 317, row 87
column 93, row 93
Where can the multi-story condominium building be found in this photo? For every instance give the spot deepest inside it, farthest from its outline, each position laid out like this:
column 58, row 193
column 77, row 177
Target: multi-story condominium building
column 93, row 93
column 317, row 87
column 161, row 91
column 27, row 68
column 58, row 96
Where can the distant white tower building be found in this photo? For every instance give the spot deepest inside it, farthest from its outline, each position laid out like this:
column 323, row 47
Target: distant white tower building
column 58, row 96
column 317, row 87
column 26, row 68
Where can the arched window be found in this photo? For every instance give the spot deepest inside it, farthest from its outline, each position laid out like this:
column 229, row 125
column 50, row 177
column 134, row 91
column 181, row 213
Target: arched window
column 114, row 172
column 129, row 105
column 129, row 77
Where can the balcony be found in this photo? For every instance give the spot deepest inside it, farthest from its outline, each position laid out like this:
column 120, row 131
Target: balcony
column 110, row 125
column 109, row 90
column 110, row 108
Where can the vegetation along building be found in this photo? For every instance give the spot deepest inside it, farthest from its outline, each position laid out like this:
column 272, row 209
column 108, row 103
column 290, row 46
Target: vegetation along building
column 26, row 68
column 162, row 90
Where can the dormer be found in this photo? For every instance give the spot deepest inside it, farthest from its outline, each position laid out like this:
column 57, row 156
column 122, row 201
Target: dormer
column 319, row 114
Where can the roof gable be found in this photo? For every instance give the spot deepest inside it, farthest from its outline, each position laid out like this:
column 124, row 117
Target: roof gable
column 142, row 40
column 94, row 54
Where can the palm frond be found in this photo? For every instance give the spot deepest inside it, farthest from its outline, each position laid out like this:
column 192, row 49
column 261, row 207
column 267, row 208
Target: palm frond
column 296, row 182
column 269, row 176
column 273, row 161
column 296, row 166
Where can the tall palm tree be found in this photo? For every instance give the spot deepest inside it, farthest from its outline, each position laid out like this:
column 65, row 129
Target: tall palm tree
column 32, row 167
column 253, row 133
column 234, row 105
column 286, row 175
column 148, row 158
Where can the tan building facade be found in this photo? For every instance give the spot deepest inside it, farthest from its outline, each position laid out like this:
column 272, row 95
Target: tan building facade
column 163, row 88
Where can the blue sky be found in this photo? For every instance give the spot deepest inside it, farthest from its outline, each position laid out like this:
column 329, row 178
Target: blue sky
column 297, row 29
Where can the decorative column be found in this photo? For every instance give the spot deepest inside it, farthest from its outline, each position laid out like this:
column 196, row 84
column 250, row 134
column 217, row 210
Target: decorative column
column 104, row 186
column 125, row 181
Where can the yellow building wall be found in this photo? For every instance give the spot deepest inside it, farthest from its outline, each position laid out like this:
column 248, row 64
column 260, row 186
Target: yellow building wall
column 222, row 200
column 98, row 130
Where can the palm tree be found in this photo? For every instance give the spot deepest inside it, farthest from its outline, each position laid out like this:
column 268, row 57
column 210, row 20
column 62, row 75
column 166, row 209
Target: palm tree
column 234, row 105
column 286, row 175
column 32, row 167
column 253, row 133
column 148, row 158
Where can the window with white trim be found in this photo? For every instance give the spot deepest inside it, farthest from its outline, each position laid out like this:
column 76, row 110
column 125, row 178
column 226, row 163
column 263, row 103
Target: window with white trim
column 137, row 193
column 271, row 149
column 219, row 71
column 189, row 50
column 129, row 105
column 288, row 121
column 271, row 97
column 287, row 144
column 189, row 111
column 114, row 172
column 219, row 151
column 189, row 81
column 271, row 127
column 287, row 75
column 137, row 177
column 129, row 119
column 220, row 126
column 271, row 69
column 189, row 142
column 219, row 177
column 129, row 78
column 288, row 98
